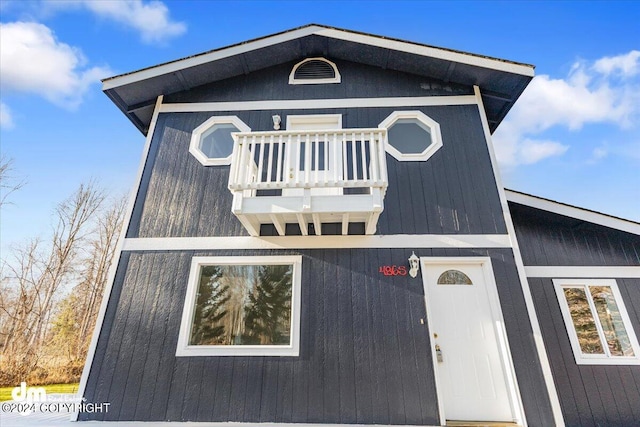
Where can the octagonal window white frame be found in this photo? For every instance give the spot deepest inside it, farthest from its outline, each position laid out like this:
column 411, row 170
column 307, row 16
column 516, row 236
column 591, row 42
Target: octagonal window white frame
column 200, row 131
column 434, row 131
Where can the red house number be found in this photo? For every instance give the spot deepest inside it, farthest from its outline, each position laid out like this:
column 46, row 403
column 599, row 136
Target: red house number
column 393, row 270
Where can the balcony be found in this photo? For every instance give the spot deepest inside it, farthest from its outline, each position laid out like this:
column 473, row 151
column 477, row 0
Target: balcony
column 309, row 178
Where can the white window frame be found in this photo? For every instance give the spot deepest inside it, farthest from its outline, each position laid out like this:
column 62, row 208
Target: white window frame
column 196, row 136
column 596, row 359
column 294, row 81
column 434, row 130
column 293, row 349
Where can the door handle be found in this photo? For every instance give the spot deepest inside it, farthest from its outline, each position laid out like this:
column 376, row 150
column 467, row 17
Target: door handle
column 439, row 356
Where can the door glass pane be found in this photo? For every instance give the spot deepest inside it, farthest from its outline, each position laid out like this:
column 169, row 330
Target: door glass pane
column 611, row 321
column 583, row 321
column 312, row 147
column 454, row 277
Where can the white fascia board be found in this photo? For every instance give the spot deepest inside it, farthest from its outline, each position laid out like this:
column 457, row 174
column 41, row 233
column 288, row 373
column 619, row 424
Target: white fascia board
column 573, row 212
column 318, row 242
column 433, row 52
column 447, row 55
column 193, row 61
column 586, row 272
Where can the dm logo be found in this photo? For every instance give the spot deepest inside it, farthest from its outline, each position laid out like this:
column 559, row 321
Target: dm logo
column 28, row 395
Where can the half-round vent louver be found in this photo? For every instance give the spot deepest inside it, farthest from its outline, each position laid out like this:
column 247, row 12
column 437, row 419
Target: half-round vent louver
column 314, row 71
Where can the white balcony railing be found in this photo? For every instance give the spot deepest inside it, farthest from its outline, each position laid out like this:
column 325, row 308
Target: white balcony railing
column 306, row 165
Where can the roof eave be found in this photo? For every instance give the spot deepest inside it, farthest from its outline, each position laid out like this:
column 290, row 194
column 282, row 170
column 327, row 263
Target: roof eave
column 332, row 32
column 571, row 211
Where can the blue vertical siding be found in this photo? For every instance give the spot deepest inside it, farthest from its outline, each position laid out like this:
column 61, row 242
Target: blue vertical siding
column 364, row 355
column 452, row 193
column 590, row 395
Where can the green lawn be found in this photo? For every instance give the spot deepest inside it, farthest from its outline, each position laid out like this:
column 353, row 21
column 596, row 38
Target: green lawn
column 5, row 392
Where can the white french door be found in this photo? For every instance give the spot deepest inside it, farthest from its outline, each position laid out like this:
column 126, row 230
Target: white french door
column 319, row 158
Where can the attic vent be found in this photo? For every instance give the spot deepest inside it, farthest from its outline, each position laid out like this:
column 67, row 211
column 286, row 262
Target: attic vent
column 314, row 71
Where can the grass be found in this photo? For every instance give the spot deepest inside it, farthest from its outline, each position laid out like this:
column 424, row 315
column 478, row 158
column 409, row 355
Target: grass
column 5, row 392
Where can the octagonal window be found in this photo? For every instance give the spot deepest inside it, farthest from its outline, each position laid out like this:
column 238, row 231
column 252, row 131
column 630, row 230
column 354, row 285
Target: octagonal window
column 212, row 142
column 411, row 135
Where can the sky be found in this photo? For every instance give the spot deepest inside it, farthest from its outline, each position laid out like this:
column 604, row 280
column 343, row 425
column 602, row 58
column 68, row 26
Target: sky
column 573, row 136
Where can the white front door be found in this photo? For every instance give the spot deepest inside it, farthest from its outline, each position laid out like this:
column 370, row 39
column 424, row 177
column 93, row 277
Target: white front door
column 471, row 373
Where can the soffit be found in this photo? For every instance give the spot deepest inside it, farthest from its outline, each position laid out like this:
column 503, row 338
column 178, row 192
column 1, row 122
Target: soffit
column 501, row 82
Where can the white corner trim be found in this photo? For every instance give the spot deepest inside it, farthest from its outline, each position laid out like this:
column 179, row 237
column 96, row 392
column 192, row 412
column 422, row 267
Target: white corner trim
column 294, row 81
column 200, row 131
column 293, row 349
column 585, row 271
column 318, row 242
column 303, row 104
column 526, row 291
column 573, row 212
column 595, row 359
column 434, row 134
column 116, row 259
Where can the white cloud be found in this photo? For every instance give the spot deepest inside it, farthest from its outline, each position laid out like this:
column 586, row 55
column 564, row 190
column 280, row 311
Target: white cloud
column 532, row 151
column 33, row 61
column 6, row 119
column 151, row 19
column 627, row 64
column 606, row 91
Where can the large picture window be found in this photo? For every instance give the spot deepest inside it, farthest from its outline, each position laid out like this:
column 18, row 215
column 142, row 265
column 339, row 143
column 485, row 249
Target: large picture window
column 597, row 322
column 242, row 306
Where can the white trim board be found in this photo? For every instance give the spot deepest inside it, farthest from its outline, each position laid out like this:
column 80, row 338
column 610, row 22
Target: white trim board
column 317, row 242
column 334, row 33
column 587, row 272
column 304, row 104
column 524, row 284
column 573, row 212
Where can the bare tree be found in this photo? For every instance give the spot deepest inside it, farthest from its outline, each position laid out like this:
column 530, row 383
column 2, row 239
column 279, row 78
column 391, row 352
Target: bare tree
column 38, row 274
column 8, row 182
column 96, row 269
column 75, row 318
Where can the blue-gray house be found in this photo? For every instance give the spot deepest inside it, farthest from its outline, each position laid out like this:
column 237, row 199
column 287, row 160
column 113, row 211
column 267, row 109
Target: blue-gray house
column 319, row 235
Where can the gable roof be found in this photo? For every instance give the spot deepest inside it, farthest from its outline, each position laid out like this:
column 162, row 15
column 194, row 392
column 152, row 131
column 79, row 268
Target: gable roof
column 573, row 212
column 501, row 82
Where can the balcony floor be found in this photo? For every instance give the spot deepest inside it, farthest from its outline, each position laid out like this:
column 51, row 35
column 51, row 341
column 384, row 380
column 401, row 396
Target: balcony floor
column 308, row 209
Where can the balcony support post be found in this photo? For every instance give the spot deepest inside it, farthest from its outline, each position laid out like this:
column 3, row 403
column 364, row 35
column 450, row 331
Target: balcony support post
column 317, row 225
column 277, row 222
column 345, row 223
column 302, row 222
